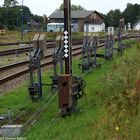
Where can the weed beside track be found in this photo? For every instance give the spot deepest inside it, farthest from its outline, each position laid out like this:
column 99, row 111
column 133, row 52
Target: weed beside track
column 110, row 110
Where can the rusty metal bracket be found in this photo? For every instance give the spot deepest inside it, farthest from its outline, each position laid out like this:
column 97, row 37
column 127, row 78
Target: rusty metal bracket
column 70, row 90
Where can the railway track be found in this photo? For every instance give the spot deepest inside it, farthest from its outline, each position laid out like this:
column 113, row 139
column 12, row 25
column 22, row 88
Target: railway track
column 23, row 49
column 76, row 51
column 49, row 45
column 40, row 110
column 26, row 61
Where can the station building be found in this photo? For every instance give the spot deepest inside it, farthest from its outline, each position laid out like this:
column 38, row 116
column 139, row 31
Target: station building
column 87, row 21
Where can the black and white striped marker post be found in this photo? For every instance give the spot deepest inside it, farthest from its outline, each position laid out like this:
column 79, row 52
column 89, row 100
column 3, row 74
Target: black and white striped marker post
column 66, row 44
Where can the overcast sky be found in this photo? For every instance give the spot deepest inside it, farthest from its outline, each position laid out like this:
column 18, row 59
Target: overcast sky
column 41, row 7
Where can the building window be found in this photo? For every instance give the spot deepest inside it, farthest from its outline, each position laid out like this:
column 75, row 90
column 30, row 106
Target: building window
column 92, row 28
column 87, row 28
column 74, row 21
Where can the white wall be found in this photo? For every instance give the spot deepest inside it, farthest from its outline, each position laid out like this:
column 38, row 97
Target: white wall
column 137, row 27
column 94, row 27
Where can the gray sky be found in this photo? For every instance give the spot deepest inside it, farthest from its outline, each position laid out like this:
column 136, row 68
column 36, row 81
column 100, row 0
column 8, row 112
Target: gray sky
column 41, row 7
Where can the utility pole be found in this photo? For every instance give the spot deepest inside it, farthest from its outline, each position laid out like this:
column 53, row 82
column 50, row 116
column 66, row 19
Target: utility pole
column 6, row 17
column 67, row 37
column 70, row 88
column 22, row 22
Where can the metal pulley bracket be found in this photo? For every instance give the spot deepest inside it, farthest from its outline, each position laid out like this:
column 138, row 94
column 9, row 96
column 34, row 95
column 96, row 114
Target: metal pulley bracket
column 57, row 61
column 71, row 88
column 35, row 87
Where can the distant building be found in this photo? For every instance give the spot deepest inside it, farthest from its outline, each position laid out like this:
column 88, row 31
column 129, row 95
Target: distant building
column 90, row 21
column 136, row 25
column 94, row 27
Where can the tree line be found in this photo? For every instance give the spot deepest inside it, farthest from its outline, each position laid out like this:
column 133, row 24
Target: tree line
column 130, row 14
column 13, row 16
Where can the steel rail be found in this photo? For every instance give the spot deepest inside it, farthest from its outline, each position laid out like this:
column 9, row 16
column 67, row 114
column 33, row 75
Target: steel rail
column 52, row 45
column 27, row 61
column 49, row 45
column 25, row 71
column 27, row 49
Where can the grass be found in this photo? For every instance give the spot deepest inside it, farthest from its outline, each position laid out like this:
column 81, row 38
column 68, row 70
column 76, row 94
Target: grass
column 15, row 36
column 70, row 127
column 108, row 112
column 2, row 48
column 7, row 60
column 18, row 100
column 97, row 120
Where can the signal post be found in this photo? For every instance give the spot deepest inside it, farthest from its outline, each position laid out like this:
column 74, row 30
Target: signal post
column 70, row 88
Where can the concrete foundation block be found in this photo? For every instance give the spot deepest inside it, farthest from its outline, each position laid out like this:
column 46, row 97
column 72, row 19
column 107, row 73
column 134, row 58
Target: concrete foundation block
column 11, row 131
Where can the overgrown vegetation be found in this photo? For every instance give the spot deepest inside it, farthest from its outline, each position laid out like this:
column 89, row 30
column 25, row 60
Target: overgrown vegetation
column 120, row 119
column 110, row 110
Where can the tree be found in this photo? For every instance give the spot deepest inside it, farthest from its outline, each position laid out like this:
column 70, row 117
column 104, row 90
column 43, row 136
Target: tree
column 2, row 17
column 113, row 17
column 132, row 13
column 77, row 7
column 12, row 18
column 73, row 7
column 37, row 18
column 110, row 15
column 10, row 3
column 14, row 3
column 117, row 16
